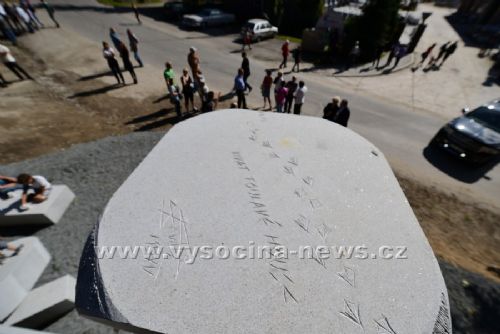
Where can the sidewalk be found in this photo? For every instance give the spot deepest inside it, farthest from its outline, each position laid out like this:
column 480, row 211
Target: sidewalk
column 460, row 82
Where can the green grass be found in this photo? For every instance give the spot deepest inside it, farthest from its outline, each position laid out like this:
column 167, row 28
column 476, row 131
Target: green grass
column 126, row 3
column 290, row 38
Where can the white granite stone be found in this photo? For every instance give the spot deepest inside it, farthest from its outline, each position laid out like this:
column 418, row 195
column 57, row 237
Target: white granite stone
column 47, row 212
column 18, row 330
column 45, row 304
column 246, row 178
column 19, row 273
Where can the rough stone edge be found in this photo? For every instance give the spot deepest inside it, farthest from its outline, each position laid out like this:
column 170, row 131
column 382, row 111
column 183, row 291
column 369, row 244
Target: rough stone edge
column 91, row 299
column 443, row 323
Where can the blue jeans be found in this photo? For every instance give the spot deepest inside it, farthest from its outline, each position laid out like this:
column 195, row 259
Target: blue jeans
column 5, row 191
column 279, row 108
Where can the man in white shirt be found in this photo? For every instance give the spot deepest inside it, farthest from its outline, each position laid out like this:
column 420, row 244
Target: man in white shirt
column 299, row 98
column 10, row 62
column 38, row 184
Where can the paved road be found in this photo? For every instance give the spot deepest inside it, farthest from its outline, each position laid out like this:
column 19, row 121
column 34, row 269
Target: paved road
column 399, row 132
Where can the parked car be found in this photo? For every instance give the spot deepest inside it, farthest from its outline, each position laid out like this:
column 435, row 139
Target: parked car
column 259, row 29
column 174, row 10
column 475, row 136
column 207, row 17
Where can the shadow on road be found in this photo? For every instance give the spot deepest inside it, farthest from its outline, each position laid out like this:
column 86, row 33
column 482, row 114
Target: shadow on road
column 458, row 169
column 96, row 91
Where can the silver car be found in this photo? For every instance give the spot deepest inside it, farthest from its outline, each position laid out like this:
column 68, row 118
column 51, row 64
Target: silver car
column 259, row 29
column 207, row 17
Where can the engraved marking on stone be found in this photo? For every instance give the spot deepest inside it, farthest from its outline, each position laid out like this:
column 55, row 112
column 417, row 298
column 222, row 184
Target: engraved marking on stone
column 349, row 276
column 303, row 222
column 308, row 180
column 351, row 312
column 375, row 153
column 315, row 203
column 323, row 230
column 300, row 192
column 286, row 293
column 276, row 267
column 321, row 262
column 288, row 278
column 274, row 155
column 442, row 324
column 383, row 326
column 293, row 161
column 288, row 170
column 266, row 144
column 273, row 276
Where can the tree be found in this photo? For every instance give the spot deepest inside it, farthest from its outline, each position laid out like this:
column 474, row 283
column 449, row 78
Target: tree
column 377, row 26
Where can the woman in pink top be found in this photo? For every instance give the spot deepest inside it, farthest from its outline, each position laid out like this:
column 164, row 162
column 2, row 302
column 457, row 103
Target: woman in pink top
column 281, row 94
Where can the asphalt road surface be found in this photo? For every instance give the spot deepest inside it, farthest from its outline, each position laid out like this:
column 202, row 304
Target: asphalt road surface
column 399, row 132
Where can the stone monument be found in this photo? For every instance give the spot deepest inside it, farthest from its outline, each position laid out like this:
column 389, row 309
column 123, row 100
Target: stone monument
column 254, row 193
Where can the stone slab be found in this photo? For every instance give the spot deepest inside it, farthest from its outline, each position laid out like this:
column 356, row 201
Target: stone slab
column 45, row 213
column 19, row 274
column 239, row 180
column 45, row 304
column 18, row 330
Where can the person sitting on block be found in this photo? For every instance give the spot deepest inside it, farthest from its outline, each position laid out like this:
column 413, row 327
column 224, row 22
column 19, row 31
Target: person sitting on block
column 40, row 186
column 7, row 185
column 9, row 246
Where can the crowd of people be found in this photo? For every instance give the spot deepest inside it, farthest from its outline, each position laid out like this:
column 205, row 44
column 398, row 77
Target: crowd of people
column 17, row 18
column 337, row 111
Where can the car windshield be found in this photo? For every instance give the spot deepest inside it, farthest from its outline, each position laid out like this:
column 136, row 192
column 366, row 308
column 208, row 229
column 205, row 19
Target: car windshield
column 249, row 25
column 205, row 12
column 486, row 116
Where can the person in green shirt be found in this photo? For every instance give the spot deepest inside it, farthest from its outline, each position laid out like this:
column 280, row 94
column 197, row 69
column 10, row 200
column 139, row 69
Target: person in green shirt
column 168, row 73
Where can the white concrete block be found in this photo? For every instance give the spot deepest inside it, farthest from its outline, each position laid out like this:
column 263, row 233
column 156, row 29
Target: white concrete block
column 45, row 304
column 18, row 274
column 235, row 181
column 18, row 330
column 47, row 212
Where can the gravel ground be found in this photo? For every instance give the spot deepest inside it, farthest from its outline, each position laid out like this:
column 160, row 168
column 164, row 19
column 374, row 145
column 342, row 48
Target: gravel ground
column 95, row 170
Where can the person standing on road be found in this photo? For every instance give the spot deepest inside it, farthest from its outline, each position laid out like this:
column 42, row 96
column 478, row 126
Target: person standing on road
column 297, row 56
column 136, row 12
column 291, row 86
column 245, row 65
column 266, row 89
column 392, row 54
column 26, row 19
column 239, row 88
column 281, row 97
column 11, row 63
column 109, row 55
column 277, row 84
column 127, row 64
column 331, row 109
column 50, row 11
column 194, row 63
column 115, row 38
column 28, row 8
column 12, row 18
column 175, row 97
column 299, row 98
column 285, row 51
column 449, row 51
column 133, row 42
column 343, row 114
column 168, row 73
column 400, row 53
column 6, row 30
column 187, row 89
column 247, row 40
